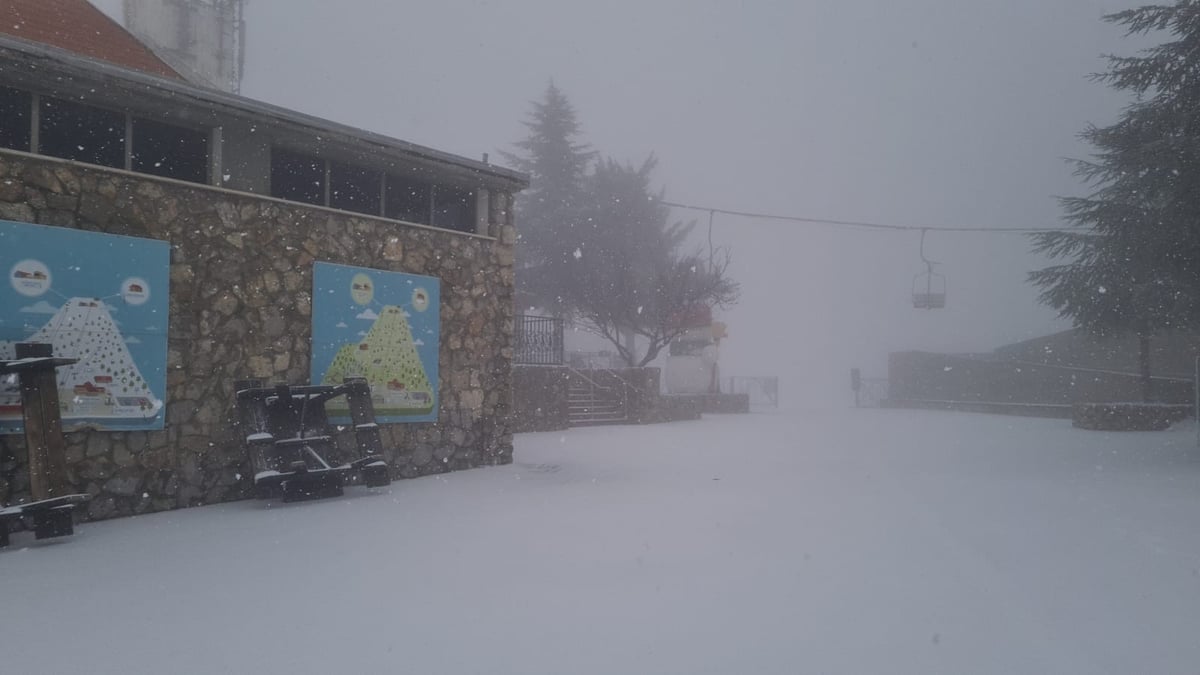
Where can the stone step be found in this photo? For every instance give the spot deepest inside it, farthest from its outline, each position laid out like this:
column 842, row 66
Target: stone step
column 585, row 401
column 591, row 401
column 612, row 412
column 597, row 413
column 598, row 421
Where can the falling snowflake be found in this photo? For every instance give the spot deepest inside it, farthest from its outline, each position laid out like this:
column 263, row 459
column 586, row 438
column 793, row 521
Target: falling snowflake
column 578, row 254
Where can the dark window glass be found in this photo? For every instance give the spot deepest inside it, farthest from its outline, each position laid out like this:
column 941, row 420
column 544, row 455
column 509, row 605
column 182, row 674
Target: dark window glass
column 170, row 151
column 454, row 208
column 15, row 111
column 407, row 200
column 297, row 177
column 353, row 188
column 82, row 133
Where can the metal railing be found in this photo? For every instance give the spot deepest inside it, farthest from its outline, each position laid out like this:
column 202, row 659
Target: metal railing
column 763, row 391
column 592, row 402
column 537, row 340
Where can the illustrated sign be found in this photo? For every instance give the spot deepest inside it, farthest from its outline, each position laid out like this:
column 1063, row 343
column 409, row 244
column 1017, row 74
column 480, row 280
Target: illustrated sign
column 383, row 326
column 99, row 298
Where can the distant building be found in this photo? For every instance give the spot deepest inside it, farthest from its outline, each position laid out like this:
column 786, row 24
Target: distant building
column 1061, row 369
column 1172, row 354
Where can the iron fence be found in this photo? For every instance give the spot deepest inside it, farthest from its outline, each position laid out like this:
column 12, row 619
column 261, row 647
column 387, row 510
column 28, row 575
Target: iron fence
column 538, row 340
column 763, row 391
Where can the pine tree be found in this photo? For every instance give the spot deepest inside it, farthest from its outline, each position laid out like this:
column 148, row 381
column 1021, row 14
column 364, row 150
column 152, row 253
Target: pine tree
column 557, row 164
column 1133, row 261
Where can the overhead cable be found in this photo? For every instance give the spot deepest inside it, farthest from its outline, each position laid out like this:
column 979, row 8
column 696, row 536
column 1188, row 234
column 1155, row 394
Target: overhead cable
column 856, row 223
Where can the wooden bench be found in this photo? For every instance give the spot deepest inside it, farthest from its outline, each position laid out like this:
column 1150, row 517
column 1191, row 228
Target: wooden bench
column 52, row 517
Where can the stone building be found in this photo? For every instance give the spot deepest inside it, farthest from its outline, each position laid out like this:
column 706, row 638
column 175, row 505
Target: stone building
column 98, row 135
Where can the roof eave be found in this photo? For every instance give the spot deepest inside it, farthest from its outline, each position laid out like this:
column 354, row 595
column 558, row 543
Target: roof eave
column 52, row 58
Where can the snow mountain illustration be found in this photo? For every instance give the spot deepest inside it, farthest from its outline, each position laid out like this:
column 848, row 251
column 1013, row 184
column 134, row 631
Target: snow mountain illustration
column 104, row 384
column 387, row 357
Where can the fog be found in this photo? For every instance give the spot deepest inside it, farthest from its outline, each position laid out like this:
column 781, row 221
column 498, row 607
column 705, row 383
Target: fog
column 926, row 112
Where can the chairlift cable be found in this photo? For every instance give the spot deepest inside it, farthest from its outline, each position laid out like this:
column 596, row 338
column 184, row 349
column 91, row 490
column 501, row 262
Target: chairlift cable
column 856, row 223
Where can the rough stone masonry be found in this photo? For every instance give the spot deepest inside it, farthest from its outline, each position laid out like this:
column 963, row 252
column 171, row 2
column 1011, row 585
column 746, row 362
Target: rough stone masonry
column 240, row 306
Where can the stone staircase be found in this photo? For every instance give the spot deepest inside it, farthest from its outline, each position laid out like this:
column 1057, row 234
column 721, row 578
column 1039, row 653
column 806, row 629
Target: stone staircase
column 596, row 398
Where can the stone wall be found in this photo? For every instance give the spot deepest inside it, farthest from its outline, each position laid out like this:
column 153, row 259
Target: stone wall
column 540, row 398
column 642, row 387
column 240, row 306
column 1128, row 416
column 675, row 408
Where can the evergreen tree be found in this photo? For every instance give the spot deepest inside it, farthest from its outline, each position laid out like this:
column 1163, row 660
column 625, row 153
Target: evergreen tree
column 1133, row 263
column 557, row 164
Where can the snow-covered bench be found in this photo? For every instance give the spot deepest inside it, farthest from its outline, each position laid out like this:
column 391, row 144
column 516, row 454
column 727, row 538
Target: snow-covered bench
column 52, row 517
column 289, row 440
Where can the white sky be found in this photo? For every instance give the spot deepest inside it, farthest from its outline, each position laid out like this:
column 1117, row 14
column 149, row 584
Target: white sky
column 955, row 112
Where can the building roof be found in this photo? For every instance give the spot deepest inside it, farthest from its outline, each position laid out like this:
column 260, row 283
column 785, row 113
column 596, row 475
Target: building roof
column 77, row 26
column 60, row 72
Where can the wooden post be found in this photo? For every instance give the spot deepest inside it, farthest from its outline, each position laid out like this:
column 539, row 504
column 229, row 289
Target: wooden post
column 43, row 425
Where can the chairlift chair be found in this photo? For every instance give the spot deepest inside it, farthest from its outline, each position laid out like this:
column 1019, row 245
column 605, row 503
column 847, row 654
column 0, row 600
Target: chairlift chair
column 928, row 287
column 929, row 290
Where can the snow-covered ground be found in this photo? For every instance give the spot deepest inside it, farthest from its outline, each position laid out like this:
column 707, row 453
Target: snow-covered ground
column 857, row 541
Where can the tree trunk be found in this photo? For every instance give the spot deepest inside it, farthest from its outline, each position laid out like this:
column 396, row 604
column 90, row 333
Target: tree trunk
column 1144, row 367
column 631, row 348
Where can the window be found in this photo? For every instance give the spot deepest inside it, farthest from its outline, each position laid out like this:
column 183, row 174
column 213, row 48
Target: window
column 82, row 133
column 407, row 200
column 353, row 188
column 340, row 185
column 170, row 151
column 454, row 208
column 15, row 111
column 297, row 177
column 85, row 133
